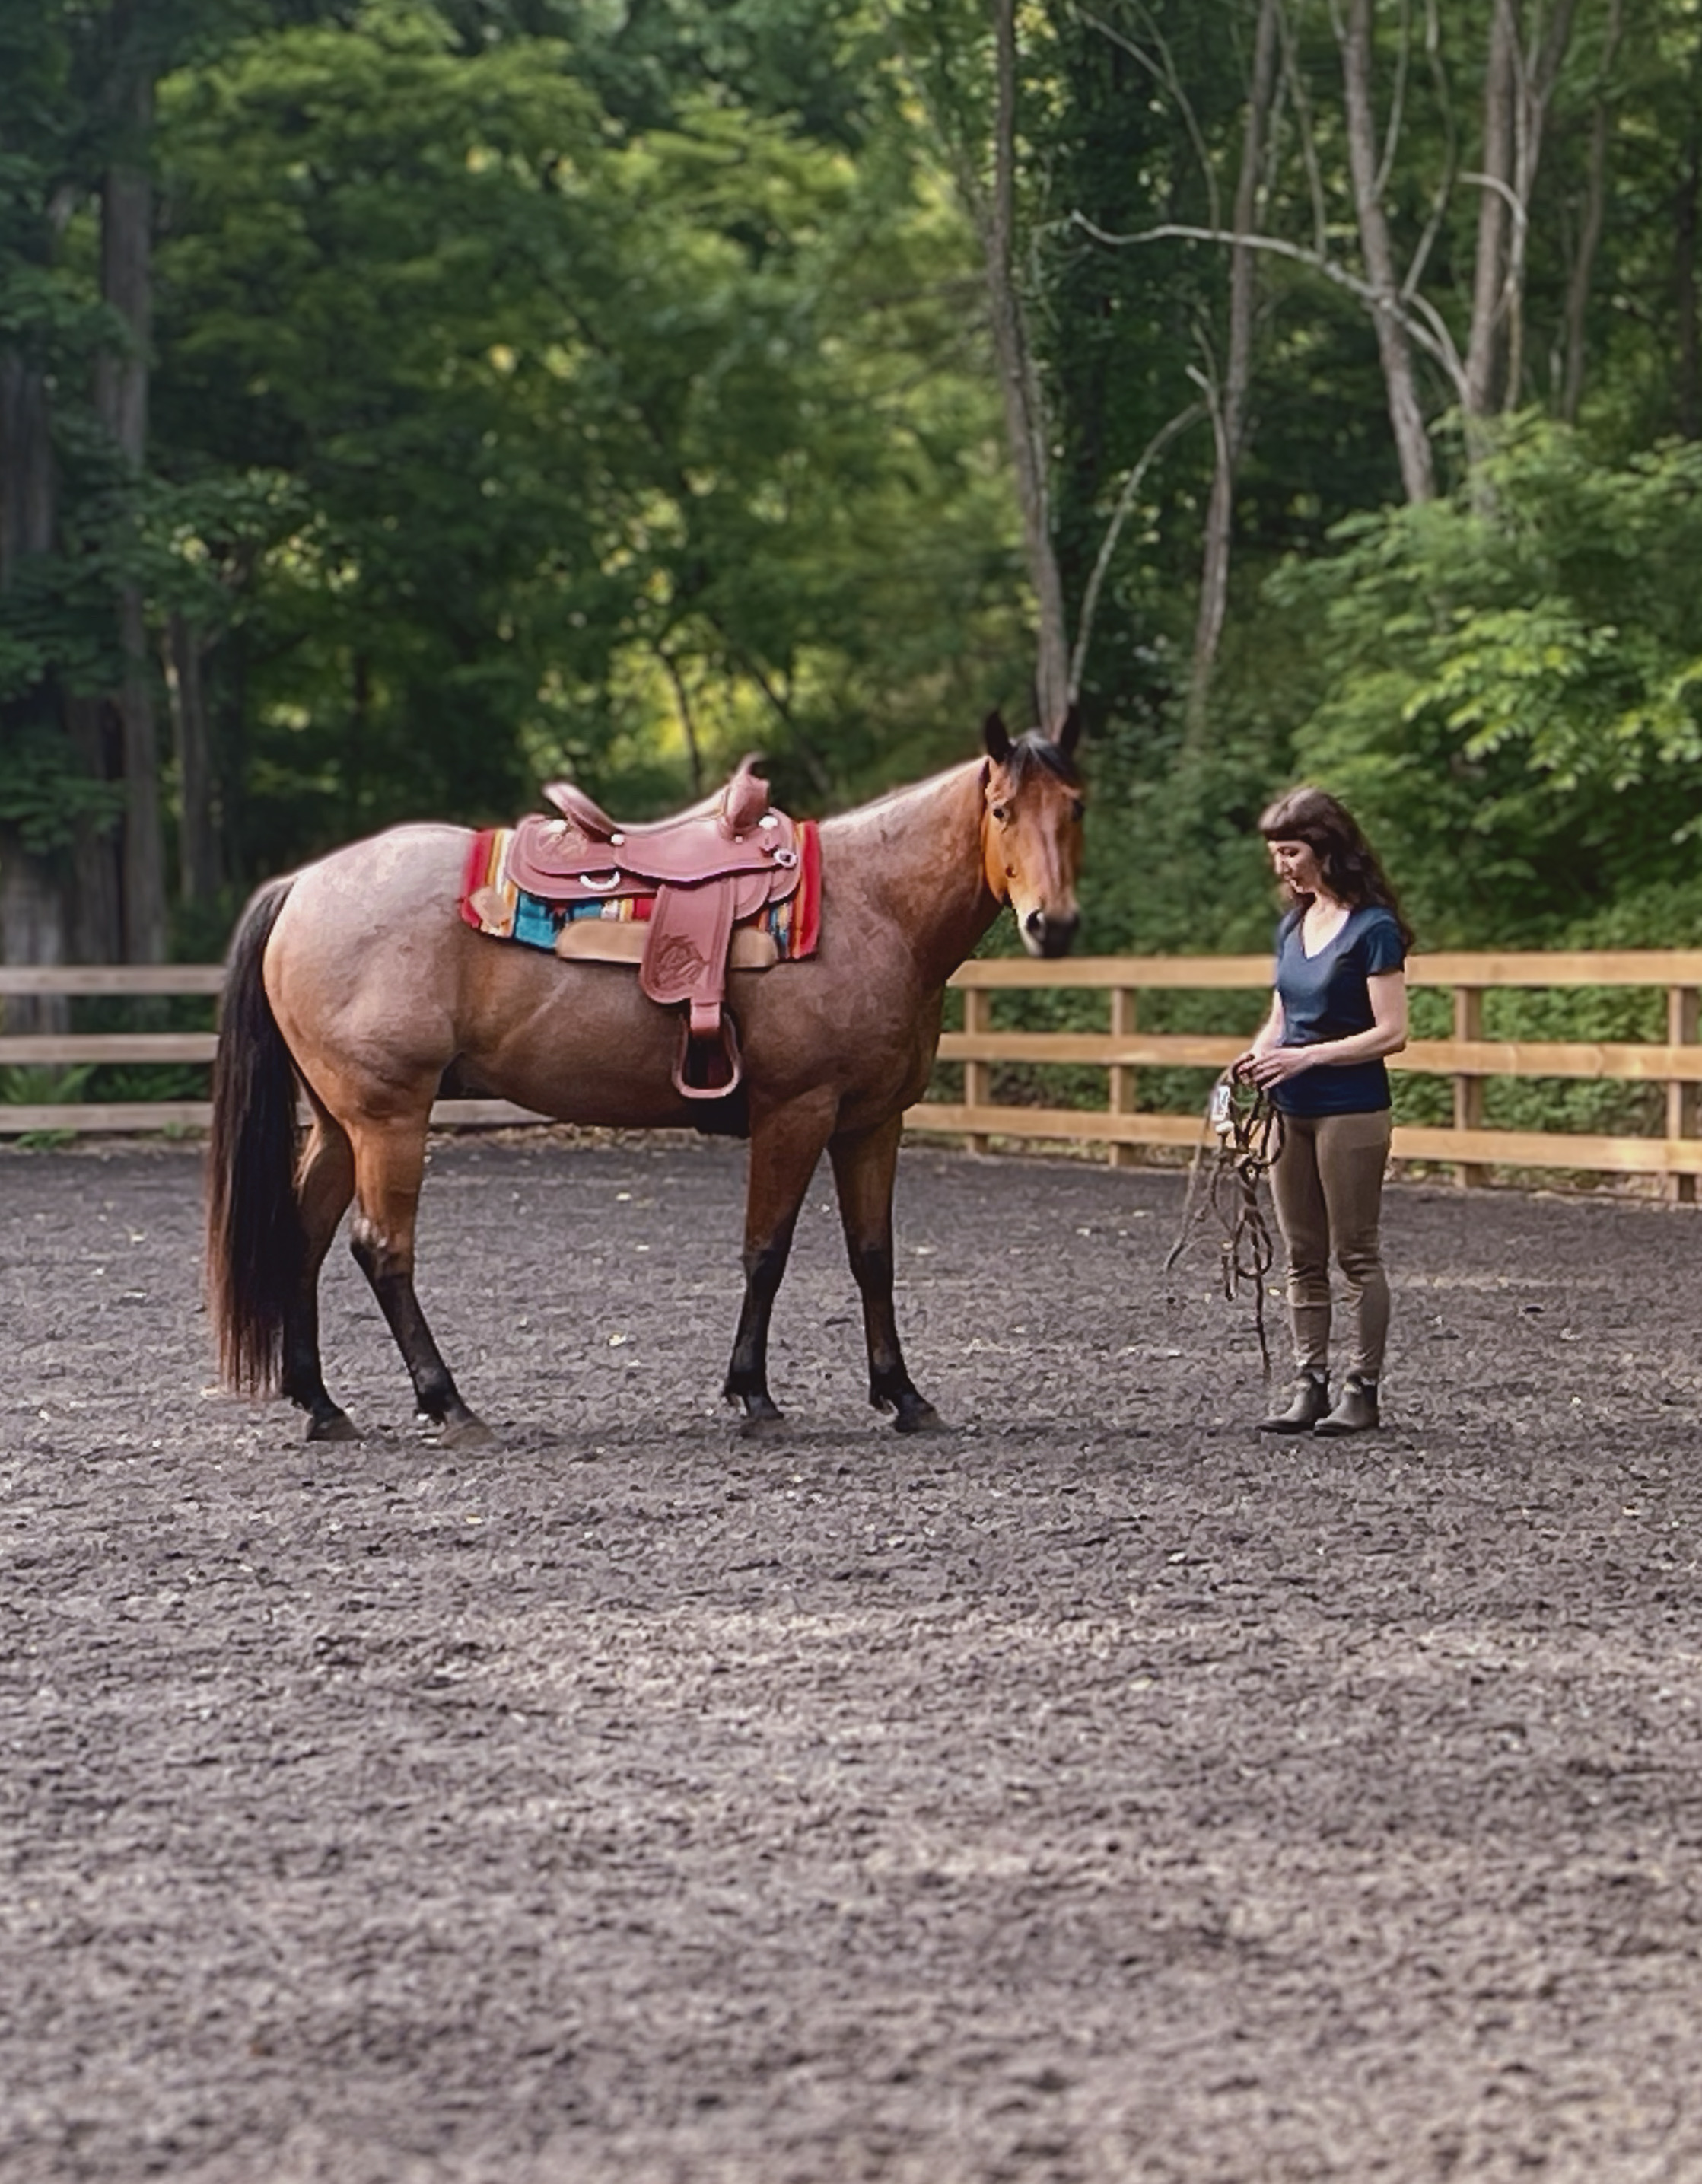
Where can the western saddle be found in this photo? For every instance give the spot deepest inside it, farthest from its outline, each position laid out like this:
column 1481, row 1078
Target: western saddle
column 710, row 869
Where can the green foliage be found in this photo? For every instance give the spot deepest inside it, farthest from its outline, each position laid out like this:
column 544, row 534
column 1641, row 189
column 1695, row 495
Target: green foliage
column 25, row 1086
column 44, row 795
column 1507, row 684
column 607, row 450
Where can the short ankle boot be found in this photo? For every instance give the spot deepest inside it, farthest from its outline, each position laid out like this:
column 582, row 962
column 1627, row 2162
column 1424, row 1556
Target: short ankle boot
column 1308, row 1401
column 1356, row 1408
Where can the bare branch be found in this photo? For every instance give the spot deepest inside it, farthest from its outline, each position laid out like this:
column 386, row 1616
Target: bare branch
column 1397, row 106
column 1119, row 515
column 1443, row 192
column 1389, row 321
column 1163, row 71
column 1534, row 76
column 1419, row 319
column 1295, row 77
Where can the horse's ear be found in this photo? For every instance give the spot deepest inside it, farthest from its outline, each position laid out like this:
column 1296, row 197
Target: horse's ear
column 1071, row 733
column 996, row 736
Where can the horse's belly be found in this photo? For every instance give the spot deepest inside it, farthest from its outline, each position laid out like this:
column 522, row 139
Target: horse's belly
column 579, row 1042
column 582, row 1042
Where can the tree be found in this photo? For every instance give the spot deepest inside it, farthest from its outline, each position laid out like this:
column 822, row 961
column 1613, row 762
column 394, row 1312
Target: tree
column 617, row 450
column 83, row 867
column 1508, row 684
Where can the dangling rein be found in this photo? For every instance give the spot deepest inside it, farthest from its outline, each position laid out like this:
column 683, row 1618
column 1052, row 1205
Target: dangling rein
column 1247, row 1134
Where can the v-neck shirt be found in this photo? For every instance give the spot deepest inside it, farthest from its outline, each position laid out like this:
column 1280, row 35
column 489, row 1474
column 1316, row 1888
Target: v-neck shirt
column 1327, row 996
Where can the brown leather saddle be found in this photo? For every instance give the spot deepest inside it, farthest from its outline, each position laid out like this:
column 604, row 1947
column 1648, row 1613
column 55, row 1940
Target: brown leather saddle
column 710, row 869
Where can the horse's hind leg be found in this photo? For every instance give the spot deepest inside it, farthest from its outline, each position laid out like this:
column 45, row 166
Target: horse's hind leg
column 389, row 1163
column 864, row 1168
column 324, row 1184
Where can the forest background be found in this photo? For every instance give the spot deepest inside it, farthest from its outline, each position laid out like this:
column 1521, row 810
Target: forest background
column 402, row 402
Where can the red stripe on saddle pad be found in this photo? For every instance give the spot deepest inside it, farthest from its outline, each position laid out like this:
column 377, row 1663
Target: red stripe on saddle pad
column 478, row 872
column 807, row 931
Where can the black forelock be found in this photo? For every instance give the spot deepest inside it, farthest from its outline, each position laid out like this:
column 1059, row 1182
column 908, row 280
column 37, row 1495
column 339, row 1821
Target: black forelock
column 1036, row 744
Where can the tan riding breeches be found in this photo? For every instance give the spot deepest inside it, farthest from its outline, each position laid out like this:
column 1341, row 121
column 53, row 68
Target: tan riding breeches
column 1327, row 1181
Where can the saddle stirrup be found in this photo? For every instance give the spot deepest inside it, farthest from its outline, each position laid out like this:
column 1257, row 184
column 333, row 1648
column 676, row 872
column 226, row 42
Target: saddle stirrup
column 717, row 1042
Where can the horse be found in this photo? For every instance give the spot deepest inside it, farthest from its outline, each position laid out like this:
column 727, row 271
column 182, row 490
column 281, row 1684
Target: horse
column 356, row 984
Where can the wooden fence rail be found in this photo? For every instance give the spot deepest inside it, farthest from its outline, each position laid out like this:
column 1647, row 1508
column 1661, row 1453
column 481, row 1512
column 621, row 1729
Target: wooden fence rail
column 1123, row 1051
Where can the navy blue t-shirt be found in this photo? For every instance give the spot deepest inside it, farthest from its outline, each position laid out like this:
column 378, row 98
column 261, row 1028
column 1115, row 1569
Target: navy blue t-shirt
column 1326, row 996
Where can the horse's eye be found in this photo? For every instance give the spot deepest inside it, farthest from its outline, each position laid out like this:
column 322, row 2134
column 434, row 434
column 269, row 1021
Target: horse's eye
column 1076, row 809
column 1001, row 812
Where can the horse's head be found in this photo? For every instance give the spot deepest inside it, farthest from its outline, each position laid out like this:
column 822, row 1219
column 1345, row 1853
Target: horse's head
column 1031, row 832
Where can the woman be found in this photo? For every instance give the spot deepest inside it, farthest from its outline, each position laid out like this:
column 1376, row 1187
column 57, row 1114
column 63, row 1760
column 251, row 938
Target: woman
column 1339, row 1008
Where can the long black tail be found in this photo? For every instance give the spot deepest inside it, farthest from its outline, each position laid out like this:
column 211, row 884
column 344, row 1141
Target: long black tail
column 255, row 1243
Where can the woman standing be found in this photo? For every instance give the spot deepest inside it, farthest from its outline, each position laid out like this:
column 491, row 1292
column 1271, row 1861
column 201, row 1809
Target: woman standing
column 1339, row 1008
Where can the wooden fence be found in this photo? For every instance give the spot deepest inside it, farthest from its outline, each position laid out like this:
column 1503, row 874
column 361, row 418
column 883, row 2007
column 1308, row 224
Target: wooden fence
column 1121, row 1128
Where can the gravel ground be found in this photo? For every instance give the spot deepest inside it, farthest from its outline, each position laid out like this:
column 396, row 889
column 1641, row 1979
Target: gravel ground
column 1098, row 1790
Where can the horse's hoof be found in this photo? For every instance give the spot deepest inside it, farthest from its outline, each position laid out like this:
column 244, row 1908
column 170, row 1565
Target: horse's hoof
column 335, row 1425
column 919, row 1417
column 469, row 1432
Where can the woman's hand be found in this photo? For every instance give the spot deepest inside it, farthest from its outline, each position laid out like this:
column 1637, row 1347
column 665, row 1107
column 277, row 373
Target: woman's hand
column 1277, row 1066
column 1268, row 1037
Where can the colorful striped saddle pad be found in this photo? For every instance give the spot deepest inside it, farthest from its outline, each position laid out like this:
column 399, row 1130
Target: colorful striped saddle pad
column 613, row 929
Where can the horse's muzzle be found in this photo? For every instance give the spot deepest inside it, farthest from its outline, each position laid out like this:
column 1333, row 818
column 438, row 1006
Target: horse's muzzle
column 1046, row 934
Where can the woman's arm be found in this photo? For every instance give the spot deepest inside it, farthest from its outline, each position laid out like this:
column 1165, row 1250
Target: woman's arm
column 1268, row 1037
column 1387, row 991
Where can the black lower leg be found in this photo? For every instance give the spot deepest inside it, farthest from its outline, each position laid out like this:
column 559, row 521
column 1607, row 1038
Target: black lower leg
column 890, row 1385
column 747, row 1381
column 324, row 1187
column 434, row 1389
column 303, row 1376
column 865, row 1170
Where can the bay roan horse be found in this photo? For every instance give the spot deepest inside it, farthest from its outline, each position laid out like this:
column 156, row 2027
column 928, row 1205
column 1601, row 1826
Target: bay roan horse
column 357, row 980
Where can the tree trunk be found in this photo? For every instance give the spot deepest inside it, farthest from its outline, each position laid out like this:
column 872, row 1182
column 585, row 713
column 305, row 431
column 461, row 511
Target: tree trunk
column 1689, row 392
column 121, row 405
column 27, row 466
column 1581, row 276
column 144, row 842
column 1533, row 90
column 198, row 865
column 32, row 903
column 1023, row 408
column 1395, row 350
column 97, row 900
column 1489, row 273
column 32, row 922
column 1232, row 420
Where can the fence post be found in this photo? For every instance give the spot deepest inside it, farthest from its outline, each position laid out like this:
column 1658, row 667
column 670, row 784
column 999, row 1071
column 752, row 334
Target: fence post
column 1468, row 1091
column 978, row 1076
column 1681, row 1097
column 1125, row 1015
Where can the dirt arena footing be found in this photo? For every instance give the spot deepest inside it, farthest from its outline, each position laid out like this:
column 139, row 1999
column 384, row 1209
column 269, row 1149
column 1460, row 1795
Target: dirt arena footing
column 1097, row 1790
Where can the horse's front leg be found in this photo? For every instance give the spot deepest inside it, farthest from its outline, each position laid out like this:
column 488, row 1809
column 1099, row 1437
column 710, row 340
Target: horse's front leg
column 785, row 1147
column 389, row 1163
column 864, row 1168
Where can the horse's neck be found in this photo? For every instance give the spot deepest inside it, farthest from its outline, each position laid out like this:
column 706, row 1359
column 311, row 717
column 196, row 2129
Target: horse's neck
column 917, row 855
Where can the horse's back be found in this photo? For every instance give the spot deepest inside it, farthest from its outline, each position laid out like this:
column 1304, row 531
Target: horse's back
column 379, row 984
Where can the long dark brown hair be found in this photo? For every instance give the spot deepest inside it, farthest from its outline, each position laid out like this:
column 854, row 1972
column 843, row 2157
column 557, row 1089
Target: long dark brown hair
column 1347, row 860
